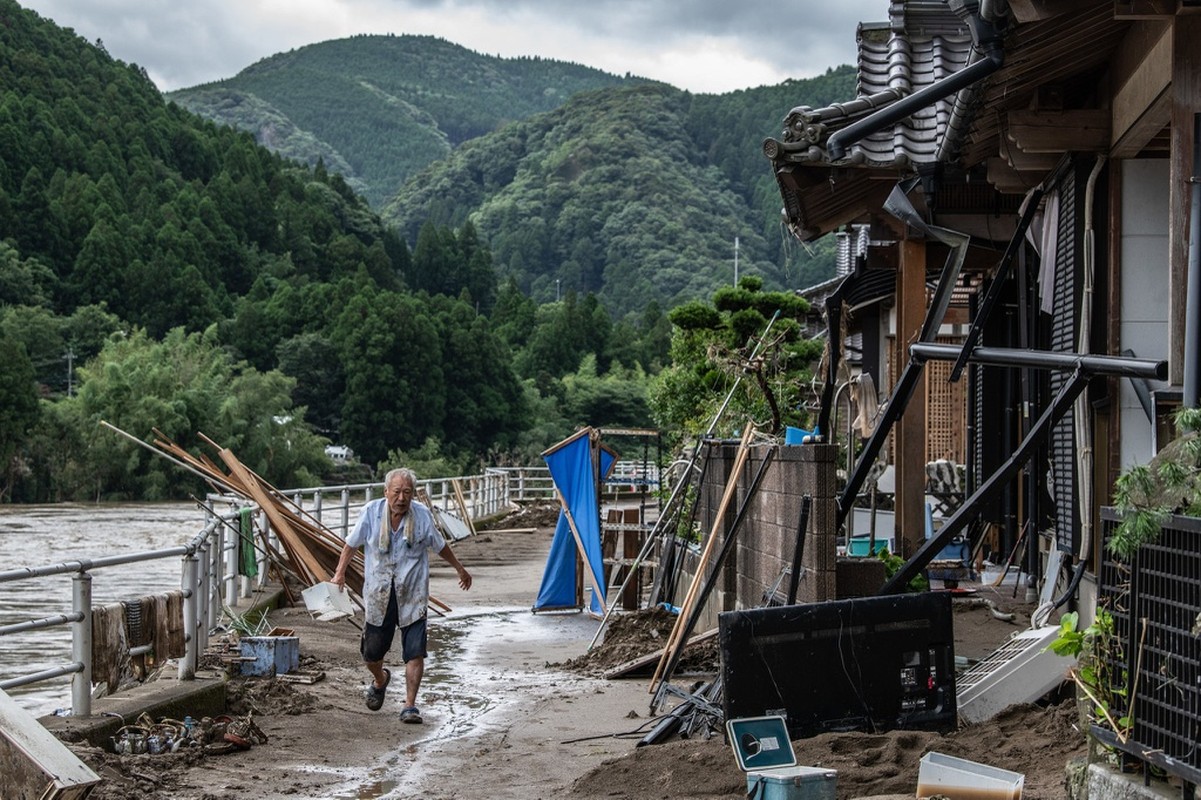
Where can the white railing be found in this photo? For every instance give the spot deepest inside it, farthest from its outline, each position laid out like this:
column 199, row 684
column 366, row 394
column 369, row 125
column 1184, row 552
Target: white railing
column 205, row 561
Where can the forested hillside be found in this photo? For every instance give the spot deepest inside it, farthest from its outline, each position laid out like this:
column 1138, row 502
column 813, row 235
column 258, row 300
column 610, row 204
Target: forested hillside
column 172, row 277
column 635, row 190
column 140, row 246
column 631, row 193
column 379, row 108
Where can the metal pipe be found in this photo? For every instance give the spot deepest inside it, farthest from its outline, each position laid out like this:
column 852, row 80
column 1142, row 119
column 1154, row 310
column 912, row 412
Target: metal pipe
column 1192, row 304
column 1012, row 357
column 994, row 289
column 81, row 645
column 959, row 520
column 44, row 675
column 992, row 60
column 81, row 565
column 40, row 624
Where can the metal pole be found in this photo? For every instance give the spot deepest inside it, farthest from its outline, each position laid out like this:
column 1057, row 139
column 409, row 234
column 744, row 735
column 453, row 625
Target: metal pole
column 1192, row 304
column 81, row 645
column 189, row 584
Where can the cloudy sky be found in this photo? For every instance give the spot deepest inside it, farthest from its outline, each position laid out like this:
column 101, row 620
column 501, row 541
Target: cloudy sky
column 701, row 45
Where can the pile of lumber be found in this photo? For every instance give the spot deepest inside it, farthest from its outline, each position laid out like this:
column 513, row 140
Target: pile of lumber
column 310, row 550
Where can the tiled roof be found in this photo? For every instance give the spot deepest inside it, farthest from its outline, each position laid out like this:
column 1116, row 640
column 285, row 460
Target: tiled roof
column 922, row 43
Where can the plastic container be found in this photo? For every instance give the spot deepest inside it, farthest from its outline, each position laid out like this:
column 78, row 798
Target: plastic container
column 792, row 783
column 859, row 546
column 960, row 779
column 326, row 602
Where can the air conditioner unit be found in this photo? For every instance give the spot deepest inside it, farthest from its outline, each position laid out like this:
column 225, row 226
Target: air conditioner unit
column 1020, row 671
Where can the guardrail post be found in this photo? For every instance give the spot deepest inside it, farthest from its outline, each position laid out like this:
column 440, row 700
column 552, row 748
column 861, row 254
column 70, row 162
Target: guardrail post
column 216, row 578
column 345, row 513
column 189, row 584
column 81, row 645
column 317, row 505
column 268, row 542
column 229, row 551
column 204, row 568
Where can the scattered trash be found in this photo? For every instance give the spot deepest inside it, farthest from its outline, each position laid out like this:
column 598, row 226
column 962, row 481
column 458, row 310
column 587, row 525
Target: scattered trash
column 216, row 735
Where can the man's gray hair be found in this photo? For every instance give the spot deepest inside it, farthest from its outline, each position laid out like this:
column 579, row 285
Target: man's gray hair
column 400, row 472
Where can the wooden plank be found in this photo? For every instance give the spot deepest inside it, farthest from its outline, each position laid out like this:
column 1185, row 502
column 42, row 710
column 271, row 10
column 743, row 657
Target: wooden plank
column 634, row 667
column 706, row 552
column 1060, row 131
column 283, row 526
column 1142, row 102
column 462, row 502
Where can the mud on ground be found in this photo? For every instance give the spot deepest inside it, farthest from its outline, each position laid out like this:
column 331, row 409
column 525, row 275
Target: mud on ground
column 566, row 732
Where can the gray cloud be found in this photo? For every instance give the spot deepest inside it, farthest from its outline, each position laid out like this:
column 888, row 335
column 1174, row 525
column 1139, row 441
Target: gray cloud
column 704, row 45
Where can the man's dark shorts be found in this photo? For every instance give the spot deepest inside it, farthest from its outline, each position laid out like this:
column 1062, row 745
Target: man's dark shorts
column 377, row 639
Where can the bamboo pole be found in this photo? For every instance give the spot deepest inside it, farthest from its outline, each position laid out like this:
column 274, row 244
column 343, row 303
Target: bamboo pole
column 698, row 578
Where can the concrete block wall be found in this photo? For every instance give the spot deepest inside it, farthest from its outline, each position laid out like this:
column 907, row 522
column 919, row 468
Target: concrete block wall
column 767, row 539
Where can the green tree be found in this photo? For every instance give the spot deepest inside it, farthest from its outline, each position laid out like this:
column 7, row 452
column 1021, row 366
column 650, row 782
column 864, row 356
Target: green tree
column 184, row 386
column 19, row 401
column 710, row 354
column 395, row 384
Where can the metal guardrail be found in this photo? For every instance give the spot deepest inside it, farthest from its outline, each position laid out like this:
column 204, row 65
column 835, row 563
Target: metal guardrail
column 209, row 562
column 206, row 562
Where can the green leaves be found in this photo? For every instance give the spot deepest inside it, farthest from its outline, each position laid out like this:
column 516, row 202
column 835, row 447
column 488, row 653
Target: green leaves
column 1170, row 484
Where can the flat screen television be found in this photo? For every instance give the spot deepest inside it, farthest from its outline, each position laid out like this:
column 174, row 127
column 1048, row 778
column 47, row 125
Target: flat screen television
column 866, row 664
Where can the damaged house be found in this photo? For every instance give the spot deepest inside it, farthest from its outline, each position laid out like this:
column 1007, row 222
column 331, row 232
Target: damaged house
column 1017, row 189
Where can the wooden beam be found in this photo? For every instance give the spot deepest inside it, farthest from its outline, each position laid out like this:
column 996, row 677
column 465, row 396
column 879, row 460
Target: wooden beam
column 702, row 563
column 1144, row 9
column 1186, row 103
column 1035, row 10
column 910, row 441
column 1040, row 163
column 1007, row 180
column 1142, row 103
column 1060, row 131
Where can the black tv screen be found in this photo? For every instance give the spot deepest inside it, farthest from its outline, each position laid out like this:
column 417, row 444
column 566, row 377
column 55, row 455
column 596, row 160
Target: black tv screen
column 867, row 664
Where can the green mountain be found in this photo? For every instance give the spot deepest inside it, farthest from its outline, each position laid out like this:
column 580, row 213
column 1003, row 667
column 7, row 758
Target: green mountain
column 633, row 193
column 379, row 108
column 115, row 198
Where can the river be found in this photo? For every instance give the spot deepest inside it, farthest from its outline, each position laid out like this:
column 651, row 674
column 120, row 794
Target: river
column 34, row 536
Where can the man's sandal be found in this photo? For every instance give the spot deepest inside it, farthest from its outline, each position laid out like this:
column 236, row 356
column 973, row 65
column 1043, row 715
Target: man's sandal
column 375, row 696
column 411, row 715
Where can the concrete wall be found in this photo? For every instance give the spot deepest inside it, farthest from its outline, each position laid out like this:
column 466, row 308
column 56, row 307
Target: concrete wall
column 765, row 544
column 1143, row 250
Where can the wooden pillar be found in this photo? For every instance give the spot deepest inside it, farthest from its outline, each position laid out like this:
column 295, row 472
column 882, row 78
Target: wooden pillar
column 1186, row 101
column 911, row 427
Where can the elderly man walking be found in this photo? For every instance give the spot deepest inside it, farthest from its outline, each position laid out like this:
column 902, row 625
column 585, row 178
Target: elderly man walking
column 397, row 534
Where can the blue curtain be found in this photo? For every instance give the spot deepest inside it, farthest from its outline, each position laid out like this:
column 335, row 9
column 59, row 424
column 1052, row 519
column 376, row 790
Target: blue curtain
column 574, row 470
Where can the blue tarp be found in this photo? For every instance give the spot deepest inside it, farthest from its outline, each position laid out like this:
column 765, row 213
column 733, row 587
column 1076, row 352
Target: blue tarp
column 576, row 466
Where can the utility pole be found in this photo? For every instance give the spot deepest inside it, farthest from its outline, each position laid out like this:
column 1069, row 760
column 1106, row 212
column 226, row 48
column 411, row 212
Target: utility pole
column 70, row 357
column 735, row 261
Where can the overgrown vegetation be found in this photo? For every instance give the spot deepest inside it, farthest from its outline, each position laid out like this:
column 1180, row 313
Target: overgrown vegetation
column 1095, row 648
column 1146, row 494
